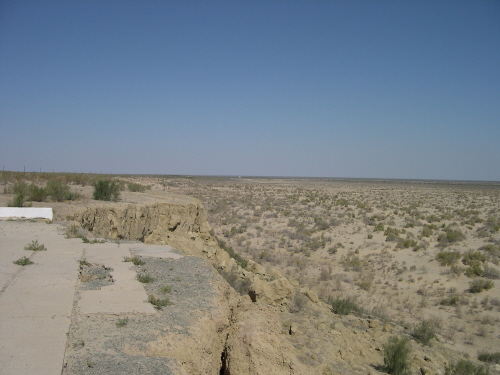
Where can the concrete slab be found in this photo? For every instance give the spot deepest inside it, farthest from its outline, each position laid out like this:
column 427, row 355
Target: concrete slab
column 126, row 295
column 39, row 295
column 36, row 300
column 26, row 212
column 32, row 345
column 154, row 251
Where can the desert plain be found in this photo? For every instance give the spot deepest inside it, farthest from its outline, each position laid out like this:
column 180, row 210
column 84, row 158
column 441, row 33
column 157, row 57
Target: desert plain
column 366, row 259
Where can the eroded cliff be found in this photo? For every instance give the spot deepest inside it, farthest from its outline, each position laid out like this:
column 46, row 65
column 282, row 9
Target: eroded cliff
column 276, row 327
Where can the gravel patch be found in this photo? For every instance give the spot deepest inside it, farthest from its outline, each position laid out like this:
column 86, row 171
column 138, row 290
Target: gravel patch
column 99, row 343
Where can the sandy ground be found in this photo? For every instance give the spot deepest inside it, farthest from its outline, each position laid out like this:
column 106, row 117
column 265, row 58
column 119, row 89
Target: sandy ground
column 333, row 237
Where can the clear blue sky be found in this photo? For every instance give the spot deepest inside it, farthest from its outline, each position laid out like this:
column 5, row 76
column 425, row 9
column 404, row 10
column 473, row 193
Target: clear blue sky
column 377, row 89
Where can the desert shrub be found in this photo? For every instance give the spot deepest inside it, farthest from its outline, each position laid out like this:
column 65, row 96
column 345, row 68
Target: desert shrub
column 396, row 356
column 392, row 234
column 433, row 218
column 59, row 191
column 379, row 227
column 423, row 332
column 158, row 303
column 321, row 224
column 344, row 306
column 492, row 249
column 475, row 269
column 106, row 190
column 20, row 191
column 465, row 367
column 334, row 249
column 471, row 256
column 427, row 231
column 491, row 272
column 144, row 278
column 36, row 193
column 135, row 187
column 491, row 226
column 365, row 284
column 452, row 300
column 450, row 235
column 406, row 243
column 352, row 262
column 448, row 258
column 479, row 285
column 489, row 357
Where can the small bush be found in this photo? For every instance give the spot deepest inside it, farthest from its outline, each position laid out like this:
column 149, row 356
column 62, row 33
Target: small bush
column 135, row 187
column 474, row 256
column 474, row 269
column 479, row 285
column 35, row 246
column 122, row 322
column 450, row 235
column 36, row 193
column 396, row 356
column 465, row 367
column 158, row 303
column 106, row 190
column 144, row 278
column 423, row 332
column 20, row 189
column 344, row 306
column 452, row 300
column 448, row 258
column 23, row 261
column 59, row 191
column 491, row 272
column 489, row 357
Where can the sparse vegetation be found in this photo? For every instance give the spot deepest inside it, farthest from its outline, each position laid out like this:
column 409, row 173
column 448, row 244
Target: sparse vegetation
column 122, row 322
column 158, row 303
column 135, row 260
column 35, row 246
column 448, row 258
column 106, row 190
column 396, row 356
column 489, row 357
column 24, row 261
column 345, row 306
column 479, row 285
column 135, row 187
column 423, row 332
column 465, row 367
column 144, row 278
column 165, row 289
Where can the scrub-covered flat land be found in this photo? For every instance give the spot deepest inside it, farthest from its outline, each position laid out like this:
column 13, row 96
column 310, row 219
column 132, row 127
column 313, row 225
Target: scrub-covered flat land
column 326, row 270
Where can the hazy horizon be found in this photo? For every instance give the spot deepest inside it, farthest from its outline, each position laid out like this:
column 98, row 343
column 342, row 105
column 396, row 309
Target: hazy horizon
column 376, row 90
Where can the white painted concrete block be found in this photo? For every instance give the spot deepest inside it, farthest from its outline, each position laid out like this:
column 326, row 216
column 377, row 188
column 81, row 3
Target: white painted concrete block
column 27, row 212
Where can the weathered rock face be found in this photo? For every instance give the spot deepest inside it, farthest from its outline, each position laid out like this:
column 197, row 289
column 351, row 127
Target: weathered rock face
column 149, row 223
column 247, row 334
column 255, row 344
